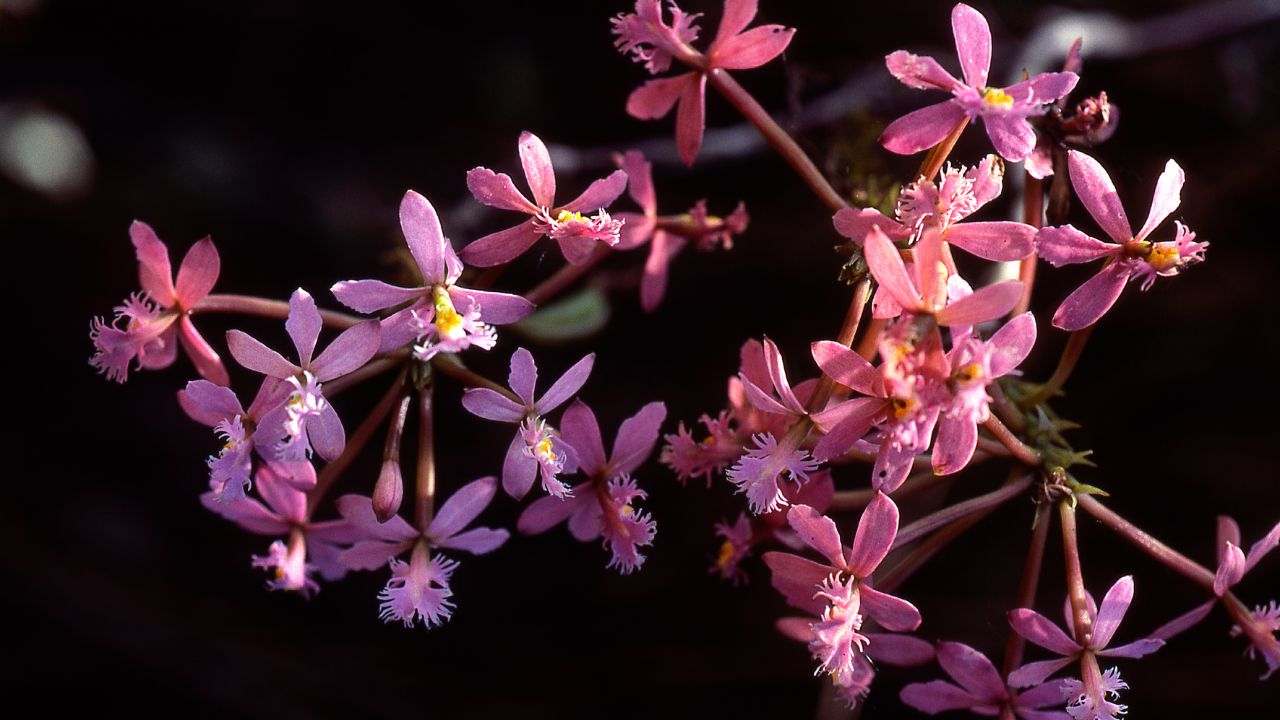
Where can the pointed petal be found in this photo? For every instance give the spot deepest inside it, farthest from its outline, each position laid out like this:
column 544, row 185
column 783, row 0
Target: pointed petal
column 1040, row 630
column 858, row 417
column 1011, row 135
column 640, row 181
column 817, row 531
column 1044, row 88
column 847, row 367
column 369, row 554
column 1135, row 649
column 1231, row 568
column 567, row 386
column 636, row 437
column 536, row 162
column 353, row 347
column 325, row 431
column 544, row 513
column 496, row 308
column 155, row 275
column 1183, row 622
column 737, row 15
column 797, row 578
column 1260, row 549
column 1098, row 195
column 997, row 241
column 258, row 357
column 956, row 442
column 752, row 48
column 367, row 296
column 425, row 238
column 1036, row 672
column 1089, row 302
column 900, row 650
column 523, row 377
column 1065, row 245
column 600, row 193
column 892, row 612
column 462, row 507
column 919, row 71
column 653, row 284
column 1168, row 196
column 655, row 98
column 518, row 470
column 497, row 190
column 357, row 510
column 984, row 304
column 691, row 118
column 492, row 405
column 760, row 399
column 876, row 530
column 855, row 223
column 198, row 273
column 887, row 267
column 579, row 428
column 201, row 353
column 208, row 403
column 303, row 324
column 921, row 129
column 972, row 670
column 936, row 696
column 1012, row 343
column 502, row 246
column 247, row 513
column 778, row 374
column 477, row 541
column 973, row 44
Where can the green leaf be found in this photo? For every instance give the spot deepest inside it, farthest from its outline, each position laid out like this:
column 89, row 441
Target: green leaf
column 575, row 317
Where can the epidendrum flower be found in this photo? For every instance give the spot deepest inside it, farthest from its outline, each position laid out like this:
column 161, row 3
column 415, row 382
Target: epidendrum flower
column 1131, row 256
column 840, row 591
column 1004, row 111
column 149, row 325
column 744, row 535
column 419, row 589
column 1092, row 701
column 241, row 430
column 941, row 206
column 306, row 418
column 979, row 689
column 604, row 505
column 442, row 316
column 888, row 648
column 653, row 42
column 310, row 548
column 537, row 449
column 577, row 233
column 706, row 231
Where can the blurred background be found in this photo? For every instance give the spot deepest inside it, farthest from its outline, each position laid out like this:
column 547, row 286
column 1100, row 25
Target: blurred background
column 289, row 130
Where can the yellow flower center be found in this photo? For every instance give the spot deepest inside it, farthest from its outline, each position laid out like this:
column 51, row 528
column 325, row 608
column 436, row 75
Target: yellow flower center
column 968, row 373
column 725, row 554
column 543, row 450
column 996, row 97
column 567, row 216
column 1164, row 256
column 902, row 407
column 448, row 321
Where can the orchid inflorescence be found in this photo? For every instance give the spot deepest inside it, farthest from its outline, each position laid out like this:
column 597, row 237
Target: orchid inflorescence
column 926, row 385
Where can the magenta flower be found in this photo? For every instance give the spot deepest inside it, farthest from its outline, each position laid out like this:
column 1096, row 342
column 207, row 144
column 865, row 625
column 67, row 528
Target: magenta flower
column 979, row 689
column 1130, row 256
column 1004, row 111
column 149, row 325
column 239, row 429
column 442, row 316
column 419, row 589
column 889, row 648
column 537, row 449
column 689, row 458
column 959, row 193
column 1036, row 628
column 312, row 547
column 741, row 538
column 604, row 505
column 307, row 421
column 759, row 472
column 576, row 233
column 653, row 42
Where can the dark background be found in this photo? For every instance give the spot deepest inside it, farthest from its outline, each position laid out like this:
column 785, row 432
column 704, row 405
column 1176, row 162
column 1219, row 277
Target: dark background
column 289, row 130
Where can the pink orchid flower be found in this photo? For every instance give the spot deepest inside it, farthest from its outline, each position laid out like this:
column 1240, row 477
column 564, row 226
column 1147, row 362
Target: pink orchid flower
column 1090, row 701
column 889, row 648
column 1004, row 111
column 576, row 233
column 706, row 231
column 741, row 538
column 149, row 325
column 537, row 449
column 442, row 316
column 979, row 689
column 941, row 206
column 1130, row 256
column 604, row 505
column 312, row 547
column 653, row 42
column 240, row 430
column 307, row 421
column 419, row 589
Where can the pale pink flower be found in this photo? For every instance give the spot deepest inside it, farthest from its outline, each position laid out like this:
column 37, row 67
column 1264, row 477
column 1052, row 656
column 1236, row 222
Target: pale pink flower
column 650, row 40
column 742, row 538
column 1131, row 256
column 760, row 471
column 570, row 225
column 537, row 449
column 442, row 316
column 306, row 420
column 853, row 681
column 1004, row 111
column 1099, row 705
column 690, row 458
column 149, row 325
column 979, row 689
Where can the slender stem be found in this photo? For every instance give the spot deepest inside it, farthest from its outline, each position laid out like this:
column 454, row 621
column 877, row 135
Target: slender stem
column 1030, row 581
column 454, row 368
column 1033, row 215
column 265, row 307
column 779, row 139
column 425, row 491
column 848, row 330
column 1081, row 619
column 937, row 156
column 371, row 369
column 1162, row 553
column 920, row 554
column 566, row 276
column 867, row 345
column 1006, row 409
column 355, row 443
column 1020, row 450
column 1066, row 364
column 979, row 504
column 857, row 499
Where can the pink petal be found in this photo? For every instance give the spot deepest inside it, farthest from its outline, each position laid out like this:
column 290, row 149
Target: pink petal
column 155, row 275
column 1231, row 568
column 477, row 541
column 579, row 428
column 752, row 48
column 523, row 377
column 653, row 284
column 353, row 347
column 544, row 514
column 972, row 670
column 1011, row 135
column 760, row 399
column 567, row 386
column 1045, row 87
column 1135, row 649
column 655, row 98
column 936, row 696
column 1111, row 612
column 1260, row 549
column 691, row 118
column 1036, row 672
column 888, row 269
column 892, row 612
column 876, row 530
column 283, row 486
column 198, row 273
column 984, row 304
column 247, row 513
column 599, row 194
column 973, row 44
column 587, row 521
column 919, row 71
column 636, row 437
column 817, row 531
column 367, row 296
column 922, row 129
column 1065, row 245
column 1227, row 532
column 640, row 181
column 202, row 355
column 892, row 466
column 370, row 554
column 425, row 238
column 326, row 434
column 1038, row 629
column 536, row 162
column 1167, row 198
column 496, row 308
column 1183, row 622
column 492, row 405
column 303, row 324
column 1098, row 195
column 847, row 367
column 357, row 510
column 208, row 403
column 957, row 439
column 738, row 14
column 258, row 357
column 497, row 190
column 1012, row 343
column 795, row 628
column 855, row 223
column 518, row 470
column 858, row 417
column 797, row 578
column 1089, row 302
column 461, row 508
column 778, row 374
column 996, row 241
column 900, row 650
column 502, row 246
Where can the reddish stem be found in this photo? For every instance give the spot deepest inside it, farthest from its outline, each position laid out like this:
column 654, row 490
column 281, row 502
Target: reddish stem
column 1030, row 581
column 1020, row 450
column 566, row 276
column 451, row 366
column 265, row 307
column 1033, row 215
column 1075, row 577
column 978, row 505
column 1066, row 364
column 1162, row 553
column 425, row 491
